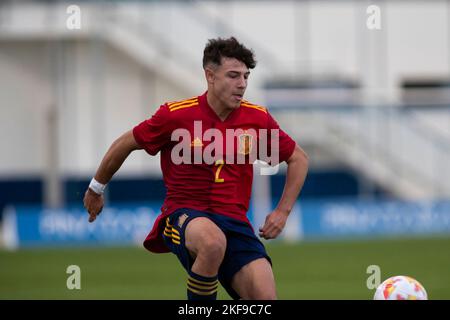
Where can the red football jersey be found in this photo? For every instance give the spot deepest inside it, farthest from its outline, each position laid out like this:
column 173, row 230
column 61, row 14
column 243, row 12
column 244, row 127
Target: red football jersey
column 212, row 171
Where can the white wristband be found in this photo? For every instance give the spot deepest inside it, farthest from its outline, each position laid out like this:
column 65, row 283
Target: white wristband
column 97, row 187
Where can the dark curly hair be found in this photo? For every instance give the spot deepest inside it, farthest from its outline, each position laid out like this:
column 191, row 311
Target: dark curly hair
column 230, row 48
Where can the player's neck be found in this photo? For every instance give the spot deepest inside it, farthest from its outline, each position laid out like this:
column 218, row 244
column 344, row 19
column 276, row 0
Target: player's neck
column 218, row 107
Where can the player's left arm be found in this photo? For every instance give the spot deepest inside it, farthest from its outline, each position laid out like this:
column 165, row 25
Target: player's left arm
column 295, row 178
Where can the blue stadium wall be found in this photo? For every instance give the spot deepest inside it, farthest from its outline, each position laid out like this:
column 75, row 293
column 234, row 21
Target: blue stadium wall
column 319, row 184
column 328, row 209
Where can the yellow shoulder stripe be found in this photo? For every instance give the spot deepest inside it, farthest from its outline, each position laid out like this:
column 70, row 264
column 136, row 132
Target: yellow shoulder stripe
column 184, row 106
column 178, row 103
column 260, row 108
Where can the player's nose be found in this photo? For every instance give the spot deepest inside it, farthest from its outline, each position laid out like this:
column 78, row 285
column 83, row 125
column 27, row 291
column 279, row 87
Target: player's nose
column 242, row 84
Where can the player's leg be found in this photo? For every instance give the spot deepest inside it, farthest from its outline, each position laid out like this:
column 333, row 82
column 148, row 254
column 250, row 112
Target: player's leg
column 206, row 244
column 246, row 271
column 255, row 281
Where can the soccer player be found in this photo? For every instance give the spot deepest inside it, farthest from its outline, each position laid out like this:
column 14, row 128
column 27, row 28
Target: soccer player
column 203, row 218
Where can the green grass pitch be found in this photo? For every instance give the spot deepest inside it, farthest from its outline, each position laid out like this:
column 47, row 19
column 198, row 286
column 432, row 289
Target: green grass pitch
column 306, row 270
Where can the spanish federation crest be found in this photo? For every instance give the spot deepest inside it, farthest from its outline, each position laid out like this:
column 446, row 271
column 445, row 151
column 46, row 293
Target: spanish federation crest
column 245, row 143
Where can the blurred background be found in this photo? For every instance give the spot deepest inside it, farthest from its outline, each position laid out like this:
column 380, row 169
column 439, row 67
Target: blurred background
column 362, row 86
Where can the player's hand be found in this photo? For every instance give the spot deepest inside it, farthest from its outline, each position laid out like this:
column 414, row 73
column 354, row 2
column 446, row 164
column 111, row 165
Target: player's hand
column 93, row 203
column 273, row 225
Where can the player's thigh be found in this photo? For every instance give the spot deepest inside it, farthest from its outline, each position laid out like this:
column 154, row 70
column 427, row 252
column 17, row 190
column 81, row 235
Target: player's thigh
column 203, row 235
column 255, row 281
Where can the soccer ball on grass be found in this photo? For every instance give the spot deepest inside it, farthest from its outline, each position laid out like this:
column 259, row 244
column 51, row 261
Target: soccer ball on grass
column 400, row 288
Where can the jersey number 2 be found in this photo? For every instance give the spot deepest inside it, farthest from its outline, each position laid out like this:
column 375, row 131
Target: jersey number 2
column 219, row 164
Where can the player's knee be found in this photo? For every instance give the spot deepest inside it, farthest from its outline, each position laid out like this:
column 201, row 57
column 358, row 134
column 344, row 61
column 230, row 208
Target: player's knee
column 213, row 246
column 205, row 240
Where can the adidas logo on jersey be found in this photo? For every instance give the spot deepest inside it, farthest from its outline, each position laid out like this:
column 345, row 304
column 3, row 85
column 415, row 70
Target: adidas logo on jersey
column 197, row 142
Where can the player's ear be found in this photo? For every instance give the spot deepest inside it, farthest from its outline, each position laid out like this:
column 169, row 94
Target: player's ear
column 209, row 75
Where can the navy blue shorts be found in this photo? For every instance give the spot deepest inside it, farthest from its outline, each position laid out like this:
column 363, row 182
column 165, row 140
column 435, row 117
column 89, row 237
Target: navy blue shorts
column 242, row 244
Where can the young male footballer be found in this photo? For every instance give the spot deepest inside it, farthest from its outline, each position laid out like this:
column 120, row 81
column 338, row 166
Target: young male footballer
column 208, row 145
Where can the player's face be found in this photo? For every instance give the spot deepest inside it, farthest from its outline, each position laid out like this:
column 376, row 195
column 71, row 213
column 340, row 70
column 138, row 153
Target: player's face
column 229, row 82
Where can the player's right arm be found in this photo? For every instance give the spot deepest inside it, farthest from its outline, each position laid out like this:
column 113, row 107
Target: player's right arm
column 151, row 135
column 111, row 162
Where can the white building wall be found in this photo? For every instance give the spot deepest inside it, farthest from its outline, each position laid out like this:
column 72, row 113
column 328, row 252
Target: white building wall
column 418, row 39
column 106, row 91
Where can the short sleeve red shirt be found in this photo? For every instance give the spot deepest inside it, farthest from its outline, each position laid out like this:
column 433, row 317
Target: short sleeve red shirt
column 217, row 172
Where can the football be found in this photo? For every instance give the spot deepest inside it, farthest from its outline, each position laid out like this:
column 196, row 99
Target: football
column 400, row 288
